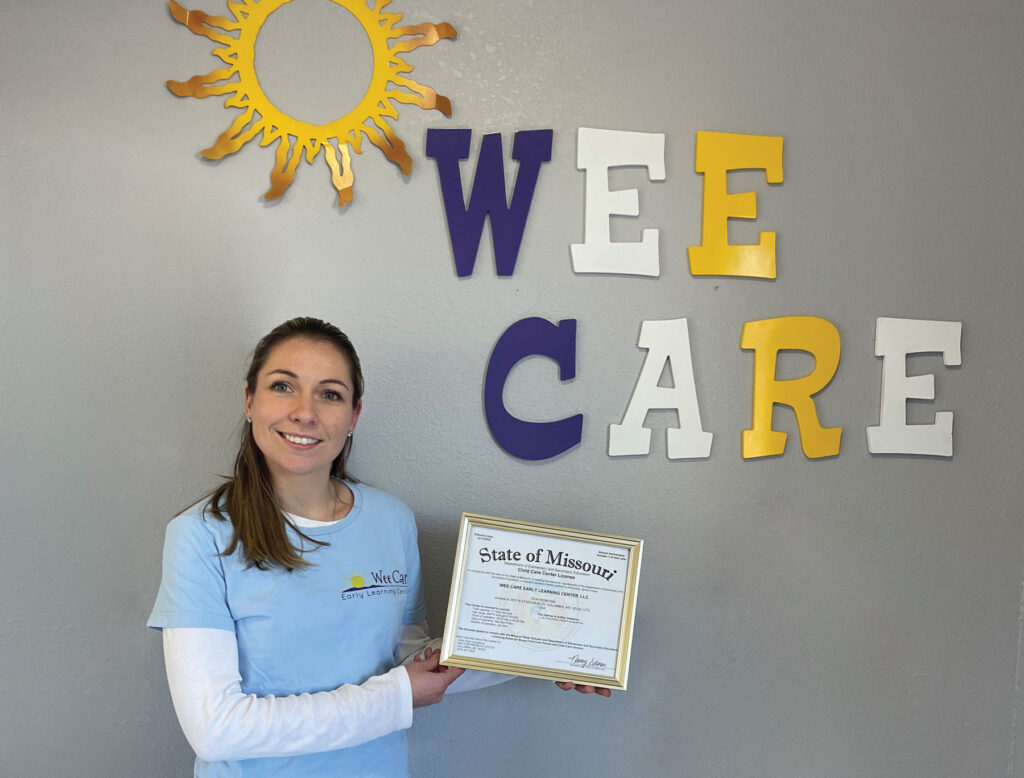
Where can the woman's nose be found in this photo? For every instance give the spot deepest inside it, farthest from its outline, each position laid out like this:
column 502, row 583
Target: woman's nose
column 302, row 408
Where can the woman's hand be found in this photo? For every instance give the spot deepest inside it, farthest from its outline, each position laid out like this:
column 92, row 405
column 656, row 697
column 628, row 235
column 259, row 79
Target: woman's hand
column 429, row 679
column 566, row 686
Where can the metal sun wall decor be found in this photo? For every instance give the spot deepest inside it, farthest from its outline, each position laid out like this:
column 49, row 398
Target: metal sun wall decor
column 236, row 39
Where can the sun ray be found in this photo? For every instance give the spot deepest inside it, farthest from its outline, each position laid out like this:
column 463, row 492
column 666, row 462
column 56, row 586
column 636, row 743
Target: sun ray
column 420, row 95
column 312, row 149
column 427, row 34
column 391, row 145
column 232, row 139
column 200, row 23
column 295, row 139
column 283, row 174
column 341, row 177
column 197, row 86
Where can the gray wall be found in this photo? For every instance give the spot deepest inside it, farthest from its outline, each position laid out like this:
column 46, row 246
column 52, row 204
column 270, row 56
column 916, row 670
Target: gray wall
column 856, row 616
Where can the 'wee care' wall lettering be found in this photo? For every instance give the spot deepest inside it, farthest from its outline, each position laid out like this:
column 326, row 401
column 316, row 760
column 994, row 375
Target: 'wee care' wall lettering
column 668, row 341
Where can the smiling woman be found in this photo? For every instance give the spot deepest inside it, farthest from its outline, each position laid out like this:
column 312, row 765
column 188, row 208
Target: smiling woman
column 269, row 665
column 291, row 603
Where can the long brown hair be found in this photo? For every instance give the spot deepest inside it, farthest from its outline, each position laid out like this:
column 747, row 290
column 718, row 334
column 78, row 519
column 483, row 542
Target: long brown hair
column 247, row 499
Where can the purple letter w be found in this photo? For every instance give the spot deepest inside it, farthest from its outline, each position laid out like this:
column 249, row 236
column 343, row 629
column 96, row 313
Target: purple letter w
column 466, row 224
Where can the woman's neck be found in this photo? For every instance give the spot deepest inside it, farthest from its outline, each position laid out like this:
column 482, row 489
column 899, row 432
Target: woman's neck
column 314, row 499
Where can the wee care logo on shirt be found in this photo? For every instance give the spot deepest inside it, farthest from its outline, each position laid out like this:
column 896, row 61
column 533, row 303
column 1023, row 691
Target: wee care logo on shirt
column 378, row 583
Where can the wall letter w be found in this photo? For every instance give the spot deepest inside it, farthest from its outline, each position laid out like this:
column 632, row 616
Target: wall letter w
column 508, row 220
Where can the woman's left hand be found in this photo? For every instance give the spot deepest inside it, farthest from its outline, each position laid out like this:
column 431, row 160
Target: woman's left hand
column 566, row 686
column 428, row 679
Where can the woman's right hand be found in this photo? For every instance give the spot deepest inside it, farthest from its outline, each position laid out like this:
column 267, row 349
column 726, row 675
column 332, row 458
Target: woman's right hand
column 430, row 680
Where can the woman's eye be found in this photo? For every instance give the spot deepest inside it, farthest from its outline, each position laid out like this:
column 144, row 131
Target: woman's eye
column 279, row 386
column 332, row 396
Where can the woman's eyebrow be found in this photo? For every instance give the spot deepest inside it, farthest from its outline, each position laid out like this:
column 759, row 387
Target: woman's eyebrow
column 290, row 374
column 334, row 381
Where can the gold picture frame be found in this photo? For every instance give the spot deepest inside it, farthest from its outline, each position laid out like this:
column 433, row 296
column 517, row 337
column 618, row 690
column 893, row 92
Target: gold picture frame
column 542, row 601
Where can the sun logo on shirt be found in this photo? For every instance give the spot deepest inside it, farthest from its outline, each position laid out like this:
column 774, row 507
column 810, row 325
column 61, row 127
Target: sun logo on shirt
column 297, row 139
column 357, row 580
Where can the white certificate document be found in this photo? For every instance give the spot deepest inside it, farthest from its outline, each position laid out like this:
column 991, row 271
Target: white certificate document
column 542, row 601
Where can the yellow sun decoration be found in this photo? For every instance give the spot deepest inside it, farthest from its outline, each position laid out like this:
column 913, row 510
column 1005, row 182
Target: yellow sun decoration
column 236, row 39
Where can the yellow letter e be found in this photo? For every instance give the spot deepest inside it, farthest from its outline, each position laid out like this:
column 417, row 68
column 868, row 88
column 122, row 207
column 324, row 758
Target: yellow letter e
column 718, row 153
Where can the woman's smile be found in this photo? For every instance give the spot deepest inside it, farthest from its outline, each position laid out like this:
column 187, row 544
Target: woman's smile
column 300, row 441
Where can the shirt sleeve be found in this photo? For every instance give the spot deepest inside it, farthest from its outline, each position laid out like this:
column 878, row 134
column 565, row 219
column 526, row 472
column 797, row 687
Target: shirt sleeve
column 192, row 588
column 223, row 724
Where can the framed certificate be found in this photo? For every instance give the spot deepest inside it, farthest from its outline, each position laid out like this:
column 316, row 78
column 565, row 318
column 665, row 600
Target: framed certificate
column 541, row 601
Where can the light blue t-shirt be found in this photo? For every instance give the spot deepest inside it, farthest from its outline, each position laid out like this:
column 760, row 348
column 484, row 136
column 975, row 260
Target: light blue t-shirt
column 335, row 622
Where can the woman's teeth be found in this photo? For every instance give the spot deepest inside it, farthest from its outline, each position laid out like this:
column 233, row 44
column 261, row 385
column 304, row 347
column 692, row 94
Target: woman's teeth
column 298, row 440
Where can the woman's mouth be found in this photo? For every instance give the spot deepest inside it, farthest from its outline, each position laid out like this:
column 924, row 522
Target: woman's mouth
column 299, row 440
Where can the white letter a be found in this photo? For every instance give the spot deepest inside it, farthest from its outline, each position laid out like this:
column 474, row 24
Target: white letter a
column 664, row 340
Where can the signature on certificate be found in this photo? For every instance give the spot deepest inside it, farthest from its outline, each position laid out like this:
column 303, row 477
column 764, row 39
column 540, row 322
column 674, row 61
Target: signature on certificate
column 587, row 663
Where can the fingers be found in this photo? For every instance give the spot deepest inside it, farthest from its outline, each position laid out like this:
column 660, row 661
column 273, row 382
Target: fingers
column 429, row 660
column 566, row 686
column 427, row 686
column 428, row 679
column 433, row 657
column 451, row 673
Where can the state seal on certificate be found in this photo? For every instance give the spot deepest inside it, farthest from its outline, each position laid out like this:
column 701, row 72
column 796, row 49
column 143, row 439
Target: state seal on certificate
column 542, row 601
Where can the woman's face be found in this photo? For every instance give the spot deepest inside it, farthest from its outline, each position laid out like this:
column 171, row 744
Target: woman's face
column 301, row 408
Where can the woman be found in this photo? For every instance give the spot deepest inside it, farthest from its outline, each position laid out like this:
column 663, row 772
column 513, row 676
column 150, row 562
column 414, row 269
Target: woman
column 291, row 605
